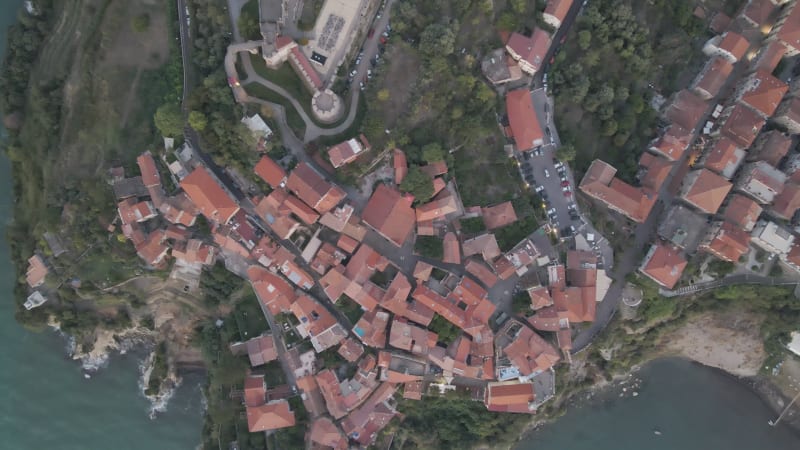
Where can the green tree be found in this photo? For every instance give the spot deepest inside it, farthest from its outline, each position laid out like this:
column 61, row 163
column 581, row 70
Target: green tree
column 418, row 184
column 198, row 120
column 432, row 153
column 168, row 120
column 248, row 26
column 140, row 23
column 437, row 40
column 566, row 153
column 584, row 39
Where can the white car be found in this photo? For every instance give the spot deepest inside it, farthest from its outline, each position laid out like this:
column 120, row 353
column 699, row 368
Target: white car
column 566, row 189
column 551, row 212
column 546, row 173
column 558, row 165
column 539, row 189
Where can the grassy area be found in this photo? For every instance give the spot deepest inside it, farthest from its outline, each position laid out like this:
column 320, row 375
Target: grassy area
column 350, row 308
column 249, row 316
column 159, row 372
column 510, row 235
column 601, row 78
column 473, row 225
column 445, row 329
column 293, row 119
column 429, row 246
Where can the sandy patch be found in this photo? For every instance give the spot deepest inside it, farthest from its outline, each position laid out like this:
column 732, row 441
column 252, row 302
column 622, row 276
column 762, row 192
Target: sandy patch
column 729, row 341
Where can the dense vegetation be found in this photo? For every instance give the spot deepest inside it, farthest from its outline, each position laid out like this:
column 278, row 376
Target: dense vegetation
column 453, row 422
column 619, row 53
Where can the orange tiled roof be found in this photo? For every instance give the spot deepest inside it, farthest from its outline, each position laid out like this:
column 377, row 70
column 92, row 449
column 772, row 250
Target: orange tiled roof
column 530, row 353
column 787, row 201
column 735, row 44
column 742, row 211
column 599, row 183
column 771, row 147
column 531, row 49
column 686, row 109
column 484, row 245
column 400, row 164
column 481, row 272
column 272, row 291
column 510, row 396
column 270, row 171
column 763, row 92
column 664, row 264
column 713, row 76
column 758, row 11
column 390, row 214
column 309, row 185
column 540, row 297
column 271, row 416
column 441, row 205
column 672, row 143
column 498, row 216
column 727, row 242
column 656, row 171
column 706, row 190
column 742, row 125
column 525, row 127
column 558, row 8
column 36, row 272
column 209, row 197
column 452, row 250
column 147, row 166
column 722, row 156
column 326, row 434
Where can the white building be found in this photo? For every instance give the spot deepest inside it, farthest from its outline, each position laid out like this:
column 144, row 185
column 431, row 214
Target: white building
column 772, row 237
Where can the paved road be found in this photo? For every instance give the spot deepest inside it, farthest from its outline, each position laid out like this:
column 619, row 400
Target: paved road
column 745, row 278
column 186, row 56
column 560, row 34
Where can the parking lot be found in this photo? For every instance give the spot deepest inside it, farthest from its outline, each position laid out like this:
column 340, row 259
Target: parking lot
column 547, row 177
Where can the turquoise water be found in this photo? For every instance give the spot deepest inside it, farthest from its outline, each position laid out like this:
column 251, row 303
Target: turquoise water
column 694, row 408
column 45, row 401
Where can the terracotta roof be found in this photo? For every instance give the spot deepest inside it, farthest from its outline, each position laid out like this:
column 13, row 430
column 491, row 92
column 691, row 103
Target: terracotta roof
column 435, row 168
column 530, row 353
column 720, row 22
column 390, row 214
column 758, row 11
column 525, row 127
column 422, row 271
column 193, row 251
column 742, row 125
column 686, row 109
column 735, row 44
column 672, row 143
column 787, row 202
column 438, row 185
column 309, row 185
column 558, row 8
column 36, row 272
column 727, row 241
column 153, row 250
column 513, row 397
column 270, row 171
column 713, row 76
column 271, row 416
column 575, row 303
column 413, row 390
column 742, row 211
column 318, row 321
column 530, row 49
column 499, row 215
column 600, row 184
column 131, row 211
column 347, row 243
column 762, row 92
column 705, row 190
column 400, row 165
column 723, row 157
column 371, row 328
column 261, row 350
column 481, row 272
column 209, row 197
column 656, row 170
column 540, row 297
column 310, row 74
column 301, row 210
column 485, row 245
column 664, row 264
column 452, row 250
column 770, row 56
column 441, row 205
column 789, row 33
column 326, row 434
column 272, row 291
column 147, row 166
column 411, row 338
column 770, row 147
column 581, row 268
column 346, row 152
column 254, row 390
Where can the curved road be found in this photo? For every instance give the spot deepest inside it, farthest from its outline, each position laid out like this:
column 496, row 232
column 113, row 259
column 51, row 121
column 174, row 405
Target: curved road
column 313, row 131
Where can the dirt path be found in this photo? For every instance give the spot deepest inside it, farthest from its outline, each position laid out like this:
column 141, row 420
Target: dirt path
column 129, row 100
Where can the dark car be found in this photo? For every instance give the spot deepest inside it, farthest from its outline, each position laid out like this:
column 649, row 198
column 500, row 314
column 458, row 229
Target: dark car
column 565, row 183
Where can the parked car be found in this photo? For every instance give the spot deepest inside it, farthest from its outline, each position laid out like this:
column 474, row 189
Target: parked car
column 539, row 189
column 558, row 164
column 551, row 211
column 565, row 183
column 546, row 173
